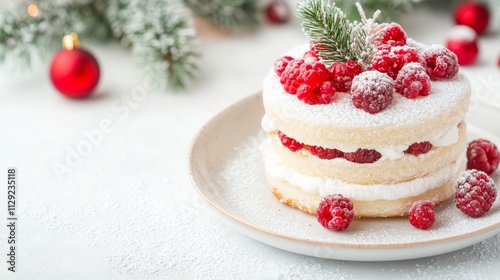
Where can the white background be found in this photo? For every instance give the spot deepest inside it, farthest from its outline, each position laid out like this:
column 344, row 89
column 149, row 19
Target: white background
column 127, row 210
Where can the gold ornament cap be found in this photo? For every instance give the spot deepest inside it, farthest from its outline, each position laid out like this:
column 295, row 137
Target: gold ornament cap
column 71, row 41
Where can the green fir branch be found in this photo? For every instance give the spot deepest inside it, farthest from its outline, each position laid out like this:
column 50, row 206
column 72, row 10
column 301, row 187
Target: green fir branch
column 233, row 15
column 160, row 33
column 117, row 14
column 337, row 38
column 392, row 9
column 163, row 41
column 22, row 37
column 329, row 28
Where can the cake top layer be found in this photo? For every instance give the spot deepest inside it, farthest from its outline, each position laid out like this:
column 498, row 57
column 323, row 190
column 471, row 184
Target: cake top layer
column 445, row 95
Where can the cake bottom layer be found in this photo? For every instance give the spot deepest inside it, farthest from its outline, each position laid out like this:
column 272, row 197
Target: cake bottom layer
column 309, row 202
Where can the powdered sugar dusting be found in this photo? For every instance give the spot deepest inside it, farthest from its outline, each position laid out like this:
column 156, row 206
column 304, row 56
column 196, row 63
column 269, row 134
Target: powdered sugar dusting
column 250, row 197
column 373, row 81
column 443, row 97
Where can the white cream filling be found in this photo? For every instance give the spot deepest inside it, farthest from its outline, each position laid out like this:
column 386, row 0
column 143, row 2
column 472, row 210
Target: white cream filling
column 326, row 186
column 443, row 139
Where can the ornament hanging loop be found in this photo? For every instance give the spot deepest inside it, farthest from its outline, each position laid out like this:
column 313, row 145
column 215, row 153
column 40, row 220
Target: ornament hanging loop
column 71, row 41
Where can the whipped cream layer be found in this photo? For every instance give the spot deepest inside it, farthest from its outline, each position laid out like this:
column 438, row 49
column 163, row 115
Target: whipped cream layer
column 277, row 169
column 440, row 139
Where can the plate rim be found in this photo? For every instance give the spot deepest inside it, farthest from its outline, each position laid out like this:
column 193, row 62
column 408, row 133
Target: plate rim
column 493, row 228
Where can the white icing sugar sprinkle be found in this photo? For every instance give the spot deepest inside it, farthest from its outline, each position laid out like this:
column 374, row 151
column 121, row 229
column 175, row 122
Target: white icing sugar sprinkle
column 401, row 112
column 372, row 82
column 248, row 194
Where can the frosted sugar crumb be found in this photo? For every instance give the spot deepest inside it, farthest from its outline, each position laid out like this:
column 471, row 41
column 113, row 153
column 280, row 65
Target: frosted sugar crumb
column 372, row 82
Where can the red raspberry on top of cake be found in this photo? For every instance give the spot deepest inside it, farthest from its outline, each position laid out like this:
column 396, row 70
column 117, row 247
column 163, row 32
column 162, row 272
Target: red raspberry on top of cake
column 440, row 62
column 413, row 81
column 343, row 73
column 372, row 91
column 392, row 34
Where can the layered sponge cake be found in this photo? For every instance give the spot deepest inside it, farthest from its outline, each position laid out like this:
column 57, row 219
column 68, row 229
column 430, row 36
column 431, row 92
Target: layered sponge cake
column 383, row 137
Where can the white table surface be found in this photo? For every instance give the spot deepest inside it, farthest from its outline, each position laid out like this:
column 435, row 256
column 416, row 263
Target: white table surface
column 127, row 209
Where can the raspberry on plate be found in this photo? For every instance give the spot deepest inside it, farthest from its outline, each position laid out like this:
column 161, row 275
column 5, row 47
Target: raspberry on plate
column 413, row 81
column 343, row 73
column 475, row 193
column 482, row 155
column 363, row 156
column 292, row 144
column 421, row 214
column 419, row 148
column 440, row 62
column 335, row 212
column 372, row 91
column 325, row 153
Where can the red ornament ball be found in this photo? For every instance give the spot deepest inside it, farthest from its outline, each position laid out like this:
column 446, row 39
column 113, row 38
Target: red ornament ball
column 462, row 40
column 474, row 15
column 277, row 11
column 75, row 73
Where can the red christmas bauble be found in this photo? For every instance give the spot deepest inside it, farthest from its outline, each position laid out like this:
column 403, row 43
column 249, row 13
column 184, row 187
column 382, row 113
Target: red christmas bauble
column 462, row 40
column 277, row 11
column 474, row 15
column 74, row 71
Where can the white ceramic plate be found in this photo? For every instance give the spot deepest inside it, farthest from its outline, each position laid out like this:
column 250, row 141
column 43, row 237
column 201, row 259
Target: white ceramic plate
column 226, row 170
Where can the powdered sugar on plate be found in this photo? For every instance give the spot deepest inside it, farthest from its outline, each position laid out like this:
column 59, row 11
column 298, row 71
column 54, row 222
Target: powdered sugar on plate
column 251, row 200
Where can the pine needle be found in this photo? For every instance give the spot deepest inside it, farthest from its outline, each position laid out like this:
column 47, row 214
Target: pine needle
column 337, row 38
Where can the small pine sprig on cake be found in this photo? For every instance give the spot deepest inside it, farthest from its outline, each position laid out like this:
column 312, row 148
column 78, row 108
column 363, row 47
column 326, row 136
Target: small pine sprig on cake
column 337, row 39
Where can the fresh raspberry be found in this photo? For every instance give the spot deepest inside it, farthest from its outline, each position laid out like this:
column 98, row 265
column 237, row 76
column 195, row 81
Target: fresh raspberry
column 422, row 214
column 343, row 73
column 310, row 56
column 413, row 81
column 313, row 81
column 419, row 148
column 393, row 35
column 474, row 193
column 482, row 155
column 314, row 48
column 281, row 63
column 322, row 95
column 290, row 76
column 335, row 212
column 386, row 62
column 292, row 144
column 440, row 62
column 363, row 156
column 406, row 53
column 314, row 74
column 325, row 153
column 372, row 91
